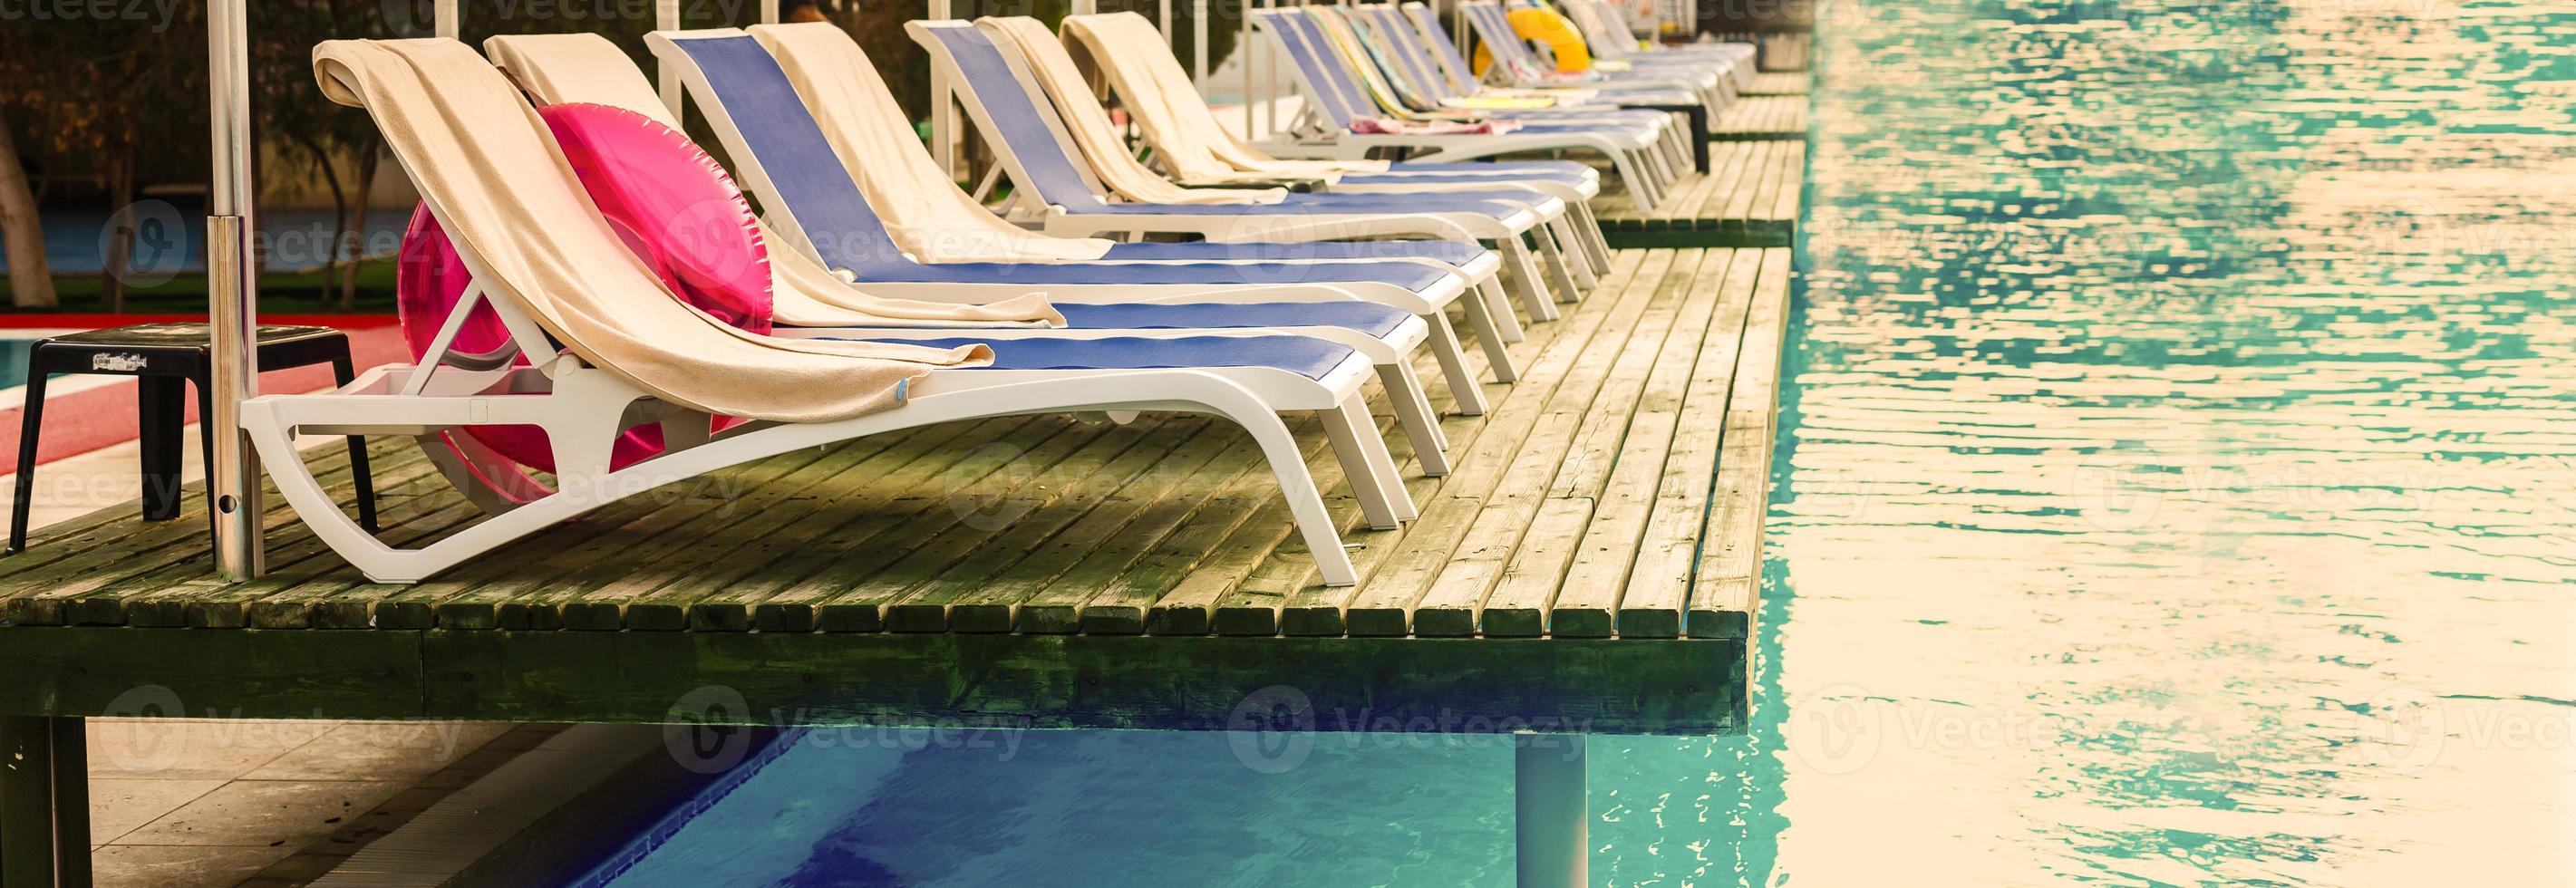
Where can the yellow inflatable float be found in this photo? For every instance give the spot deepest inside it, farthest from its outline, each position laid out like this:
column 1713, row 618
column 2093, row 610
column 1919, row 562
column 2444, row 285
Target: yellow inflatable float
column 1549, row 27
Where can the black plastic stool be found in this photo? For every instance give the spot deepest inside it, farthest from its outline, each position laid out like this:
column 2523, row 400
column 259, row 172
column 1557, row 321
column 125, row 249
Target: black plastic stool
column 164, row 357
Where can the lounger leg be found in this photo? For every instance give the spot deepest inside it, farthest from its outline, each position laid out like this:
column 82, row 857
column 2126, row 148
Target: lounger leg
column 1482, row 316
column 1365, row 464
column 1594, row 242
column 1558, row 275
column 1305, row 503
column 1491, row 311
column 1561, row 233
column 1413, row 413
column 1524, row 268
column 1463, row 387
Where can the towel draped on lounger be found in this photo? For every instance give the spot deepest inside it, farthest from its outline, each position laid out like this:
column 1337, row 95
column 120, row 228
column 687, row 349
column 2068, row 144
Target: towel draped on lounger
column 485, row 162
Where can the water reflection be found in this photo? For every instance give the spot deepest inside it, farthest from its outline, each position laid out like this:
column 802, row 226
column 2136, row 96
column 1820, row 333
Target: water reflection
column 2180, row 488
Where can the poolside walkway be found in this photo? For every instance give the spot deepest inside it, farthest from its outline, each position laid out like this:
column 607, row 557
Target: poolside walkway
column 1606, row 510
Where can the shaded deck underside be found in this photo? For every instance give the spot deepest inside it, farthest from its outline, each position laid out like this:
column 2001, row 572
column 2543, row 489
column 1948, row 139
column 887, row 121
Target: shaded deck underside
column 1599, row 533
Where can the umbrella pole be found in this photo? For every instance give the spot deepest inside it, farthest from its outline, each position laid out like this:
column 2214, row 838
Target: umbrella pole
column 232, row 295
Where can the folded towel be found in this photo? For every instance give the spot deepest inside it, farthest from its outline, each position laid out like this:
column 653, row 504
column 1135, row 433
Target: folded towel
column 486, row 164
column 1374, row 126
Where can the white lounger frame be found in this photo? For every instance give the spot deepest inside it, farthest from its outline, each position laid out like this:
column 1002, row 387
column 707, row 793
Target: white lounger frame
column 1315, row 136
column 584, row 409
column 1492, row 329
column 1504, row 233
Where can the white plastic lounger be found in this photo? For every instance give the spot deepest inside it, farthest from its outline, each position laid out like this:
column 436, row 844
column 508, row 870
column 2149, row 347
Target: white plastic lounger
column 1606, row 34
column 1061, row 196
column 1194, row 148
column 783, row 135
column 1493, row 28
column 631, row 354
column 1111, row 162
column 1441, row 76
column 1334, row 105
column 1462, row 76
column 1402, row 85
column 828, row 219
column 587, row 68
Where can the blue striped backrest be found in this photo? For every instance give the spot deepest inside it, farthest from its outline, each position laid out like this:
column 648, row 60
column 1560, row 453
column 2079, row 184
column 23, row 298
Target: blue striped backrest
column 1332, row 90
column 1336, row 69
column 783, row 138
column 1439, row 38
column 1020, row 123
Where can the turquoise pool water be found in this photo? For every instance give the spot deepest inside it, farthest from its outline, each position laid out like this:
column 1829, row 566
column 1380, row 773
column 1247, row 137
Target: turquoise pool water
column 2176, row 489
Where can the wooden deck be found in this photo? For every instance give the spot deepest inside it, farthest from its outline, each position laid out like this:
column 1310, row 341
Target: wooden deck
column 1593, row 557
column 1749, row 198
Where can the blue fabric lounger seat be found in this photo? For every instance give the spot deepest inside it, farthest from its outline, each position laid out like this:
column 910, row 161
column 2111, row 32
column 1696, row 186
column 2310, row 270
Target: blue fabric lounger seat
column 1023, row 129
column 828, row 205
column 1366, row 317
column 1311, row 358
column 1413, row 276
column 1449, row 252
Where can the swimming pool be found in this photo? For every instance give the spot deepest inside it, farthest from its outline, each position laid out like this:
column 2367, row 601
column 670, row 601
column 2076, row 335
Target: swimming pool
column 2175, row 488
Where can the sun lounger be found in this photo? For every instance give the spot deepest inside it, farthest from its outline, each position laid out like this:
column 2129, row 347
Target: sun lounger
column 1194, row 148
column 611, row 348
column 1512, row 55
column 825, row 194
column 1059, row 193
column 1336, row 102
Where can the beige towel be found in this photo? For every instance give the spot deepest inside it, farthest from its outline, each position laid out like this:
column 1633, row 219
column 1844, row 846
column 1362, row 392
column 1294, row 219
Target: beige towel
column 1175, row 117
column 1092, row 130
column 565, row 68
column 929, row 217
column 487, row 165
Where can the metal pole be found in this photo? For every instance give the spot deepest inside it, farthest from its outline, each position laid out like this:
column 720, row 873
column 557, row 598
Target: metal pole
column 1083, row 7
column 943, row 105
column 443, row 14
column 666, row 17
column 1251, row 58
column 1548, row 816
column 1165, row 19
column 769, row 12
column 1198, row 44
column 232, row 295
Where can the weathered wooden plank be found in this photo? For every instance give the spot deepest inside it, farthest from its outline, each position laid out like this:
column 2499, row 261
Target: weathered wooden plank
column 935, row 532
column 1014, row 680
column 1458, row 589
column 1654, row 590
column 1595, row 581
column 1728, row 579
column 1099, row 544
column 941, row 571
column 1386, row 604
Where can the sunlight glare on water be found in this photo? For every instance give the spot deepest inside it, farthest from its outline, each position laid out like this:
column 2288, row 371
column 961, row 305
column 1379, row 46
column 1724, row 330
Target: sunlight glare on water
column 2176, row 487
